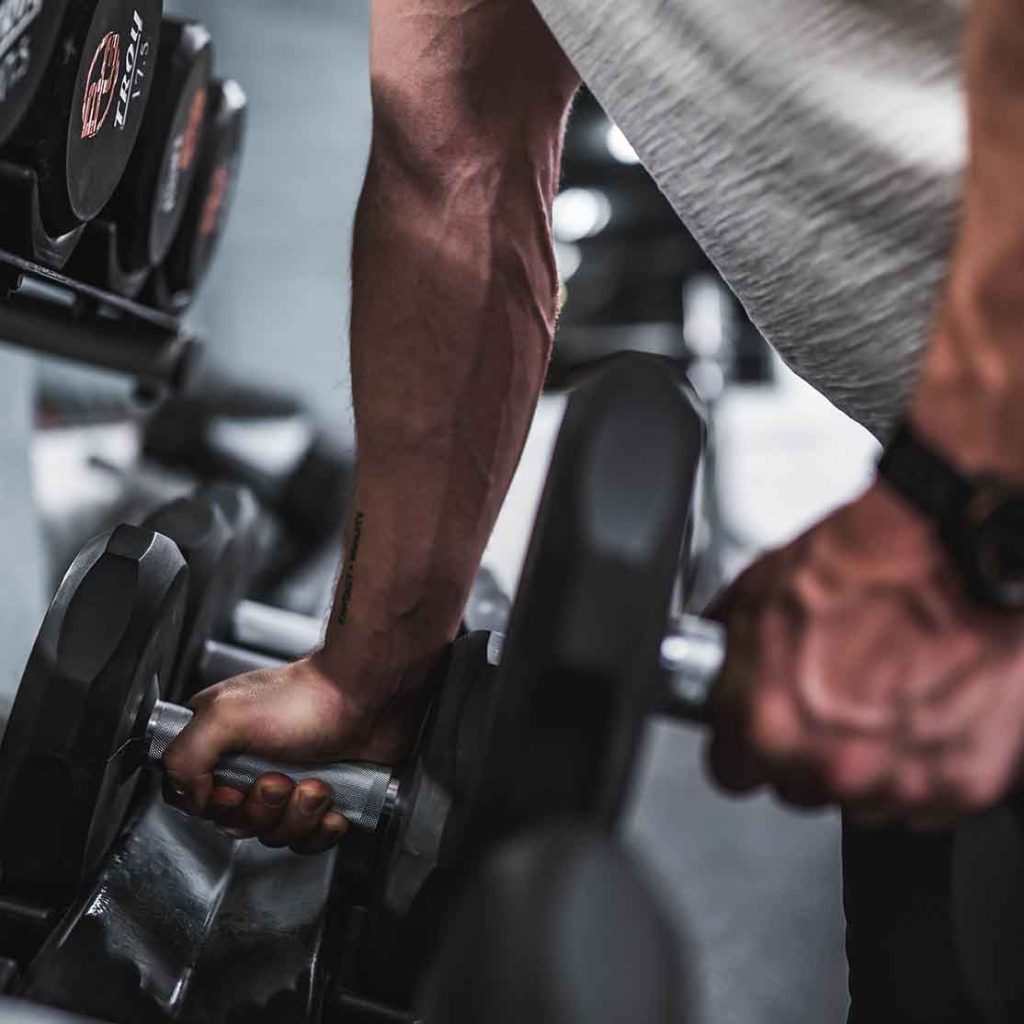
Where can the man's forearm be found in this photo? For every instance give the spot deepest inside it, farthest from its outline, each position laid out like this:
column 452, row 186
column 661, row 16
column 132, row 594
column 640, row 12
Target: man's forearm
column 454, row 301
column 970, row 398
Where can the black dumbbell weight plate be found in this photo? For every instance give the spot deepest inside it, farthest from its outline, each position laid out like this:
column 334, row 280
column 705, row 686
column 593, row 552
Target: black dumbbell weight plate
column 219, row 573
column 580, row 671
column 181, row 157
column 110, row 99
column 67, row 769
column 213, row 191
column 420, row 862
column 29, row 32
column 150, row 202
column 556, row 730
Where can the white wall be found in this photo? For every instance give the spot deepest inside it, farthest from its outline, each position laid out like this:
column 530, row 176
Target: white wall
column 275, row 308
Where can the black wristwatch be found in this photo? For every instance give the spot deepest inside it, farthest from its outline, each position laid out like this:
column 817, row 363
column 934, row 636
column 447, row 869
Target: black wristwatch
column 980, row 518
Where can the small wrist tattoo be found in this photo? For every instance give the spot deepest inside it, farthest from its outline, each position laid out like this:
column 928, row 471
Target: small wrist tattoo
column 348, row 578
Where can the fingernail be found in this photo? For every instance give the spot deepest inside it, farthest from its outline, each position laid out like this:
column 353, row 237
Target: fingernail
column 334, row 822
column 311, row 802
column 175, row 795
column 274, row 796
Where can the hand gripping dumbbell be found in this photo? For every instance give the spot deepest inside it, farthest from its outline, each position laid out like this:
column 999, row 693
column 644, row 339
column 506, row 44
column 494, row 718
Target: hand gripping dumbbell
column 365, row 793
column 133, row 623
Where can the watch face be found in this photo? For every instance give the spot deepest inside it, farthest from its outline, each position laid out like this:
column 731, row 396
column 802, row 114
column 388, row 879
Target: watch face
column 996, row 557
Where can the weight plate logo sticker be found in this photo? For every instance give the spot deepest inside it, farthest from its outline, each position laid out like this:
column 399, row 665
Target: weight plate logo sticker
column 134, row 70
column 15, row 17
column 101, row 85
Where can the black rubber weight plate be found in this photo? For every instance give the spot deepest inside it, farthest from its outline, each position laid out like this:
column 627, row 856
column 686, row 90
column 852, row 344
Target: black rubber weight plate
column 213, row 191
column 111, row 94
column 105, row 647
column 181, row 158
column 157, row 179
column 581, row 666
column 217, row 577
column 28, row 34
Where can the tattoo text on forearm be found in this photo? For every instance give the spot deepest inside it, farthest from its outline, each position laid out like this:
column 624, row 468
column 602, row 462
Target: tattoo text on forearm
column 350, row 569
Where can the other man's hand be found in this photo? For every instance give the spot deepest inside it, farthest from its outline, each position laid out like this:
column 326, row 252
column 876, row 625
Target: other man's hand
column 860, row 673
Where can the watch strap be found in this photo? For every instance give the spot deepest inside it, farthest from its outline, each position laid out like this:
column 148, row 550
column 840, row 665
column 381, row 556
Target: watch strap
column 924, row 477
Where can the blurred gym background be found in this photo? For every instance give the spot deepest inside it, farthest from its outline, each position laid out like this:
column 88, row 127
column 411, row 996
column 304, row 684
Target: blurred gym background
column 757, row 887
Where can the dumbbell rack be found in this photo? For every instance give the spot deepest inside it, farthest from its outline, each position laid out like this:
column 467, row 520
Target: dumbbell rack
column 46, row 310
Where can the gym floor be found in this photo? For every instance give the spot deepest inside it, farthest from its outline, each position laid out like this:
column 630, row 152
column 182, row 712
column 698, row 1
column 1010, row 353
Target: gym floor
column 757, row 887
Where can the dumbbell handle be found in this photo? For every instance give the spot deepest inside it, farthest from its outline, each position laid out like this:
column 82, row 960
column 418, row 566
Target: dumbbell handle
column 692, row 656
column 364, row 793
column 288, row 634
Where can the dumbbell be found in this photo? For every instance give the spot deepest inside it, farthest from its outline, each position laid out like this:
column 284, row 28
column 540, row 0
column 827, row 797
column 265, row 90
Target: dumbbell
column 29, row 35
column 213, row 190
column 150, row 201
column 89, row 82
column 106, row 646
column 218, row 530
column 546, row 724
column 88, row 713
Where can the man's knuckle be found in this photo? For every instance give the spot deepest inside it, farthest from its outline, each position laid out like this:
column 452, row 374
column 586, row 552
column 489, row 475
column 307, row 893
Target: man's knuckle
column 768, row 732
column 218, row 705
column 844, row 780
column 911, row 792
column 175, row 762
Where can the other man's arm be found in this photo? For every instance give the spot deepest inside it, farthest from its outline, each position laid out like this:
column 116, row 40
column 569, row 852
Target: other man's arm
column 859, row 671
